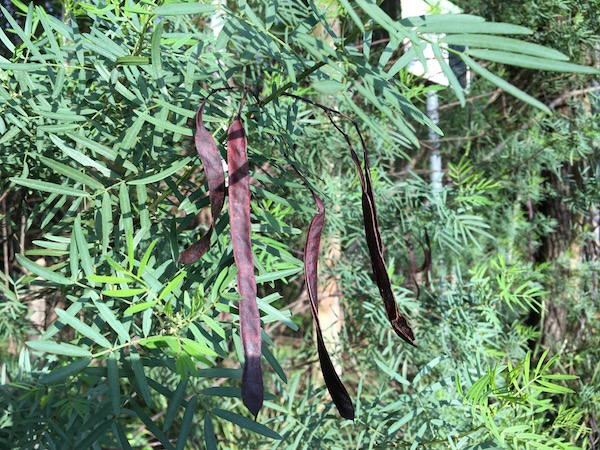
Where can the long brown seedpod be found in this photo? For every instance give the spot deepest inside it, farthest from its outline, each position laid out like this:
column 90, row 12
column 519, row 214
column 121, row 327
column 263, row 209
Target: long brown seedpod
column 336, row 388
column 211, row 160
column 374, row 243
column 239, row 220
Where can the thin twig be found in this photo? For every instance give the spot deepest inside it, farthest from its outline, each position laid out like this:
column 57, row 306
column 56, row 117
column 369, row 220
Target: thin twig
column 470, row 99
column 563, row 98
column 458, row 138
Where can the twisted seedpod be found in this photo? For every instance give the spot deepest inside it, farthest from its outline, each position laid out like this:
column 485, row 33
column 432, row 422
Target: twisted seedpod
column 382, row 279
column 211, row 161
column 336, row 389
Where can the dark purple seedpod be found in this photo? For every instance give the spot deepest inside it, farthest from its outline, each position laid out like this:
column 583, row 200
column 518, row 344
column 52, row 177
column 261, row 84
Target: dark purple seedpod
column 239, row 220
column 311, row 258
column 374, row 242
column 211, row 161
column 396, row 318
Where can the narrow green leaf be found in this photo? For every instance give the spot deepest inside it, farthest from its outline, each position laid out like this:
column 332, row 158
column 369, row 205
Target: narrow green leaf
column 531, row 62
column 348, row 8
column 451, row 25
column 222, row 391
column 220, row 373
column 244, row 422
column 503, row 43
column 82, row 248
column 78, row 156
column 98, row 148
column 553, row 388
column 502, row 84
column 132, row 61
column 416, row 21
column 213, row 325
column 7, row 42
column 61, row 115
column 328, row 86
column 402, row 62
column 123, row 293
column 49, row 187
column 540, row 362
column 155, row 54
column 405, row 419
column 185, row 131
column 109, row 279
column 419, row 436
column 428, row 367
column 152, row 427
column 43, row 272
column 83, row 328
column 456, row 87
column 7, row 292
column 22, row 35
column 58, row 375
column 114, row 384
column 43, row 16
column 9, row 135
column 186, row 424
column 121, row 437
column 277, row 275
column 115, row 265
column 174, row 404
column 526, row 367
column 392, row 373
column 140, row 377
column 273, row 362
column 209, row 434
column 172, row 285
column 59, row 128
column 160, row 341
column 273, row 313
column 179, row 9
column 130, row 138
column 125, row 204
column 70, row 172
column 177, row 165
column 138, row 307
column 378, row 16
column 130, row 248
column 196, row 349
column 109, row 317
column 144, row 213
column 95, row 434
column 560, row 376
column 59, row 348
column 146, row 258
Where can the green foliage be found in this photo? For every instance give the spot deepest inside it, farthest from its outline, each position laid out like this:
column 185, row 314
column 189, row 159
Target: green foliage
column 96, row 120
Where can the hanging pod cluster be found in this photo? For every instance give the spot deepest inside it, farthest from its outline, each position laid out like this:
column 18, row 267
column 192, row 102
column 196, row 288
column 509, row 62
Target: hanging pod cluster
column 239, row 217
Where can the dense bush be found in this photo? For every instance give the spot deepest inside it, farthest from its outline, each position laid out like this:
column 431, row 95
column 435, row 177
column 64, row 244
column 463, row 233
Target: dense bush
column 101, row 189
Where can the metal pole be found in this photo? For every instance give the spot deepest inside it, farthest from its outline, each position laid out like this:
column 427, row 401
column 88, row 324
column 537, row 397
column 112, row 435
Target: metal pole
column 435, row 166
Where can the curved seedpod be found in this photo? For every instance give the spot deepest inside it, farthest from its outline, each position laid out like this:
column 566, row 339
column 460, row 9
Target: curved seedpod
column 311, row 258
column 211, row 160
column 239, row 220
column 374, row 243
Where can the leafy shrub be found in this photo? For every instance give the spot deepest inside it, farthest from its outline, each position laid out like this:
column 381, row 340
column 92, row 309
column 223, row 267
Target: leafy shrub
column 96, row 117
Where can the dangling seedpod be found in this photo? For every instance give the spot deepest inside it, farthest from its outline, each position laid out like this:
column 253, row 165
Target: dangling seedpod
column 239, row 220
column 211, row 161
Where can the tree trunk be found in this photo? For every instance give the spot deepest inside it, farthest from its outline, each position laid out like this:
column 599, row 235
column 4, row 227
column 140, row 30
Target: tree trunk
column 554, row 245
